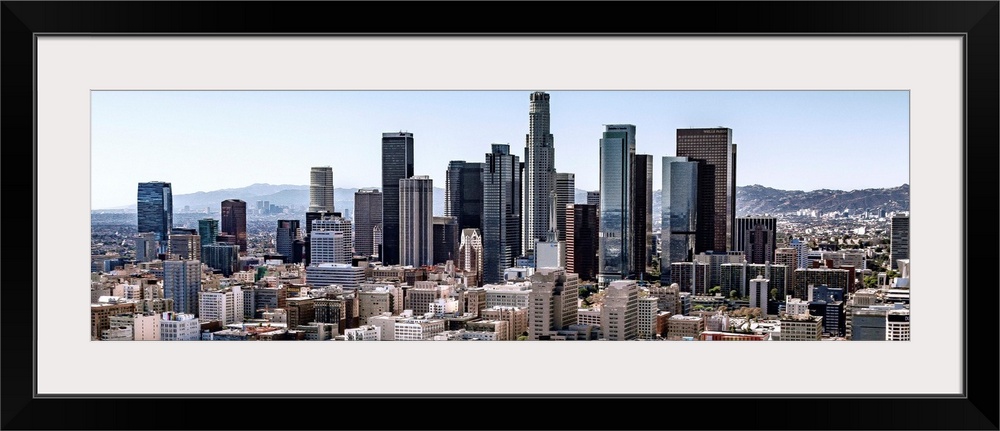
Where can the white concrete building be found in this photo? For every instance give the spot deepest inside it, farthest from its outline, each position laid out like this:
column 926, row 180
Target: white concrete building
column 620, row 312
column 179, row 327
column 224, row 305
column 325, row 274
column 648, row 310
column 507, row 295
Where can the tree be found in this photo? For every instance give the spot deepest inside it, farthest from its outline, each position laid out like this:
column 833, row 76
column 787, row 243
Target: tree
column 871, row 281
column 732, row 294
column 774, row 294
column 714, row 290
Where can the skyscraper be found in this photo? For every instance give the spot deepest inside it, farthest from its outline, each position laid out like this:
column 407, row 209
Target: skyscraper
column 679, row 213
column 565, row 195
column 501, row 212
column 397, row 164
column 642, row 213
column 463, row 193
column 581, row 240
column 416, row 221
column 331, row 240
column 287, row 233
column 446, row 238
column 208, row 229
column 616, row 219
column 155, row 210
column 470, row 254
column 182, row 282
column 234, row 221
column 185, row 244
column 756, row 237
column 899, row 242
column 321, row 189
column 539, row 171
column 222, row 257
column 367, row 215
column 715, row 153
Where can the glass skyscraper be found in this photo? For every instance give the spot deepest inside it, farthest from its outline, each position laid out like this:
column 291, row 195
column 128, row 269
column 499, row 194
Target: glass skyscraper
column 234, row 221
column 501, row 212
column 155, row 209
column 715, row 153
column 616, row 225
column 397, row 164
column 463, row 194
column 208, row 229
column 679, row 210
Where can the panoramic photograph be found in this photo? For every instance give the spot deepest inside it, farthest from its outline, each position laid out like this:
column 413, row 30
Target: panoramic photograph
column 528, row 215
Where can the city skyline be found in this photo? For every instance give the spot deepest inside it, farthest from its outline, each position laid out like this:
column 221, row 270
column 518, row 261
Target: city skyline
column 285, row 133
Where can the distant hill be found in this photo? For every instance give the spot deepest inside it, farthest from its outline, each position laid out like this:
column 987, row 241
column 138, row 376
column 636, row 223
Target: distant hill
column 750, row 200
column 758, row 200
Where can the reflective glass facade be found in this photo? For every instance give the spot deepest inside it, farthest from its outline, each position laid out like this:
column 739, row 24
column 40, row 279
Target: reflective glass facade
column 678, row 212
column 397, row 164
column 155, row 208
column 617, row 155
column 501, row 212
column 715, row 153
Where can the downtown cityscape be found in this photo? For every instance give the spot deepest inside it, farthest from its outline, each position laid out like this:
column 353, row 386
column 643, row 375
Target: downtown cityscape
column 635, row 245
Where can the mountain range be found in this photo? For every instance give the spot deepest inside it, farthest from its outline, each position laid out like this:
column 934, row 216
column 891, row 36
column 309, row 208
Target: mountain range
column 750, row 200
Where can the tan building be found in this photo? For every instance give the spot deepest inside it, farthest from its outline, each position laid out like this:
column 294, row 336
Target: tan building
column 648, row 311
column 669, row 297
column 589, row 316
column 488, row 330
column 679, row 327
column 620, row 312
column 801, row 327
column 301, row 311
column 552, row 302
column 422, row 294
column 100, row 315
column 517, row 317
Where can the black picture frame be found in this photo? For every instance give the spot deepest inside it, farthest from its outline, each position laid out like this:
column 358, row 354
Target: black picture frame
column 976, row 21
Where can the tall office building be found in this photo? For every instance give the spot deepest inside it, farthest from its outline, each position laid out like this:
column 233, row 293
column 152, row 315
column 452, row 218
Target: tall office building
column 208, row 230
column 446, row 238
column 321, row 189
column 501, row 212
column 155, row 210
column 367, row 215
column 182, row 282
column 616, row 218
column 565, row 195
column 145, row 247
column 397, row 164
column 185, row 244
column 331, row 240
column 284, row 242
column 416, row 221
column 539, row 172
column 678, row 213
column 715, row 153
column 463, row 193
column 899, row 241
column 642, row 213
column 221, row 257
column 234, row 221
column 470, row 254
column 801, row 252
column 581, row 240
column 756, row 237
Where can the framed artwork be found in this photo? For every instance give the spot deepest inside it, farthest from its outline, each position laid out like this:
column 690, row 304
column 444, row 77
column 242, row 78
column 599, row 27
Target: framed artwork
column 78, row 73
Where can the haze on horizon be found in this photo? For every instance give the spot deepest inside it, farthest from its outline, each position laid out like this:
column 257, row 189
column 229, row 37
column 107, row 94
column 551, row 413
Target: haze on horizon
column 213, row 140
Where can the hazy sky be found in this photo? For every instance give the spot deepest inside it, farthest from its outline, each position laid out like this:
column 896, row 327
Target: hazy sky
column 210, row 140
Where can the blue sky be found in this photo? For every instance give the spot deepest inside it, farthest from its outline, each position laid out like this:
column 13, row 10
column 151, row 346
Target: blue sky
column 210, row 140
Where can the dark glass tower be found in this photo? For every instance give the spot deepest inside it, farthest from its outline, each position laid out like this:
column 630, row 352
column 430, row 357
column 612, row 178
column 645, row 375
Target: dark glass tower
column 617, row 195
column 581, row 240
column 397, row 164
column 642, row 213
column 367, row 215
column 155, row 209
column 464, row 194
column 287, row 233
column 234, row 221
column 757, row 238
column 715, row 153
column 208, row 229
column 679, row 211
column 501, row 212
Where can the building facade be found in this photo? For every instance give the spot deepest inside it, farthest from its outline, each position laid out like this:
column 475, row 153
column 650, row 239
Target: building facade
column 463, row 193
column 181, row 283
column 678, row 213
column 715, row 152
column 234, row 221
column 397, row 164
column 501, row 232
column 582, row 240
column 321, row 189
column 539, row 171
column 367, row 216
column 757, row 238
column 616, row 243
column 155, row 210
column 416, row 221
